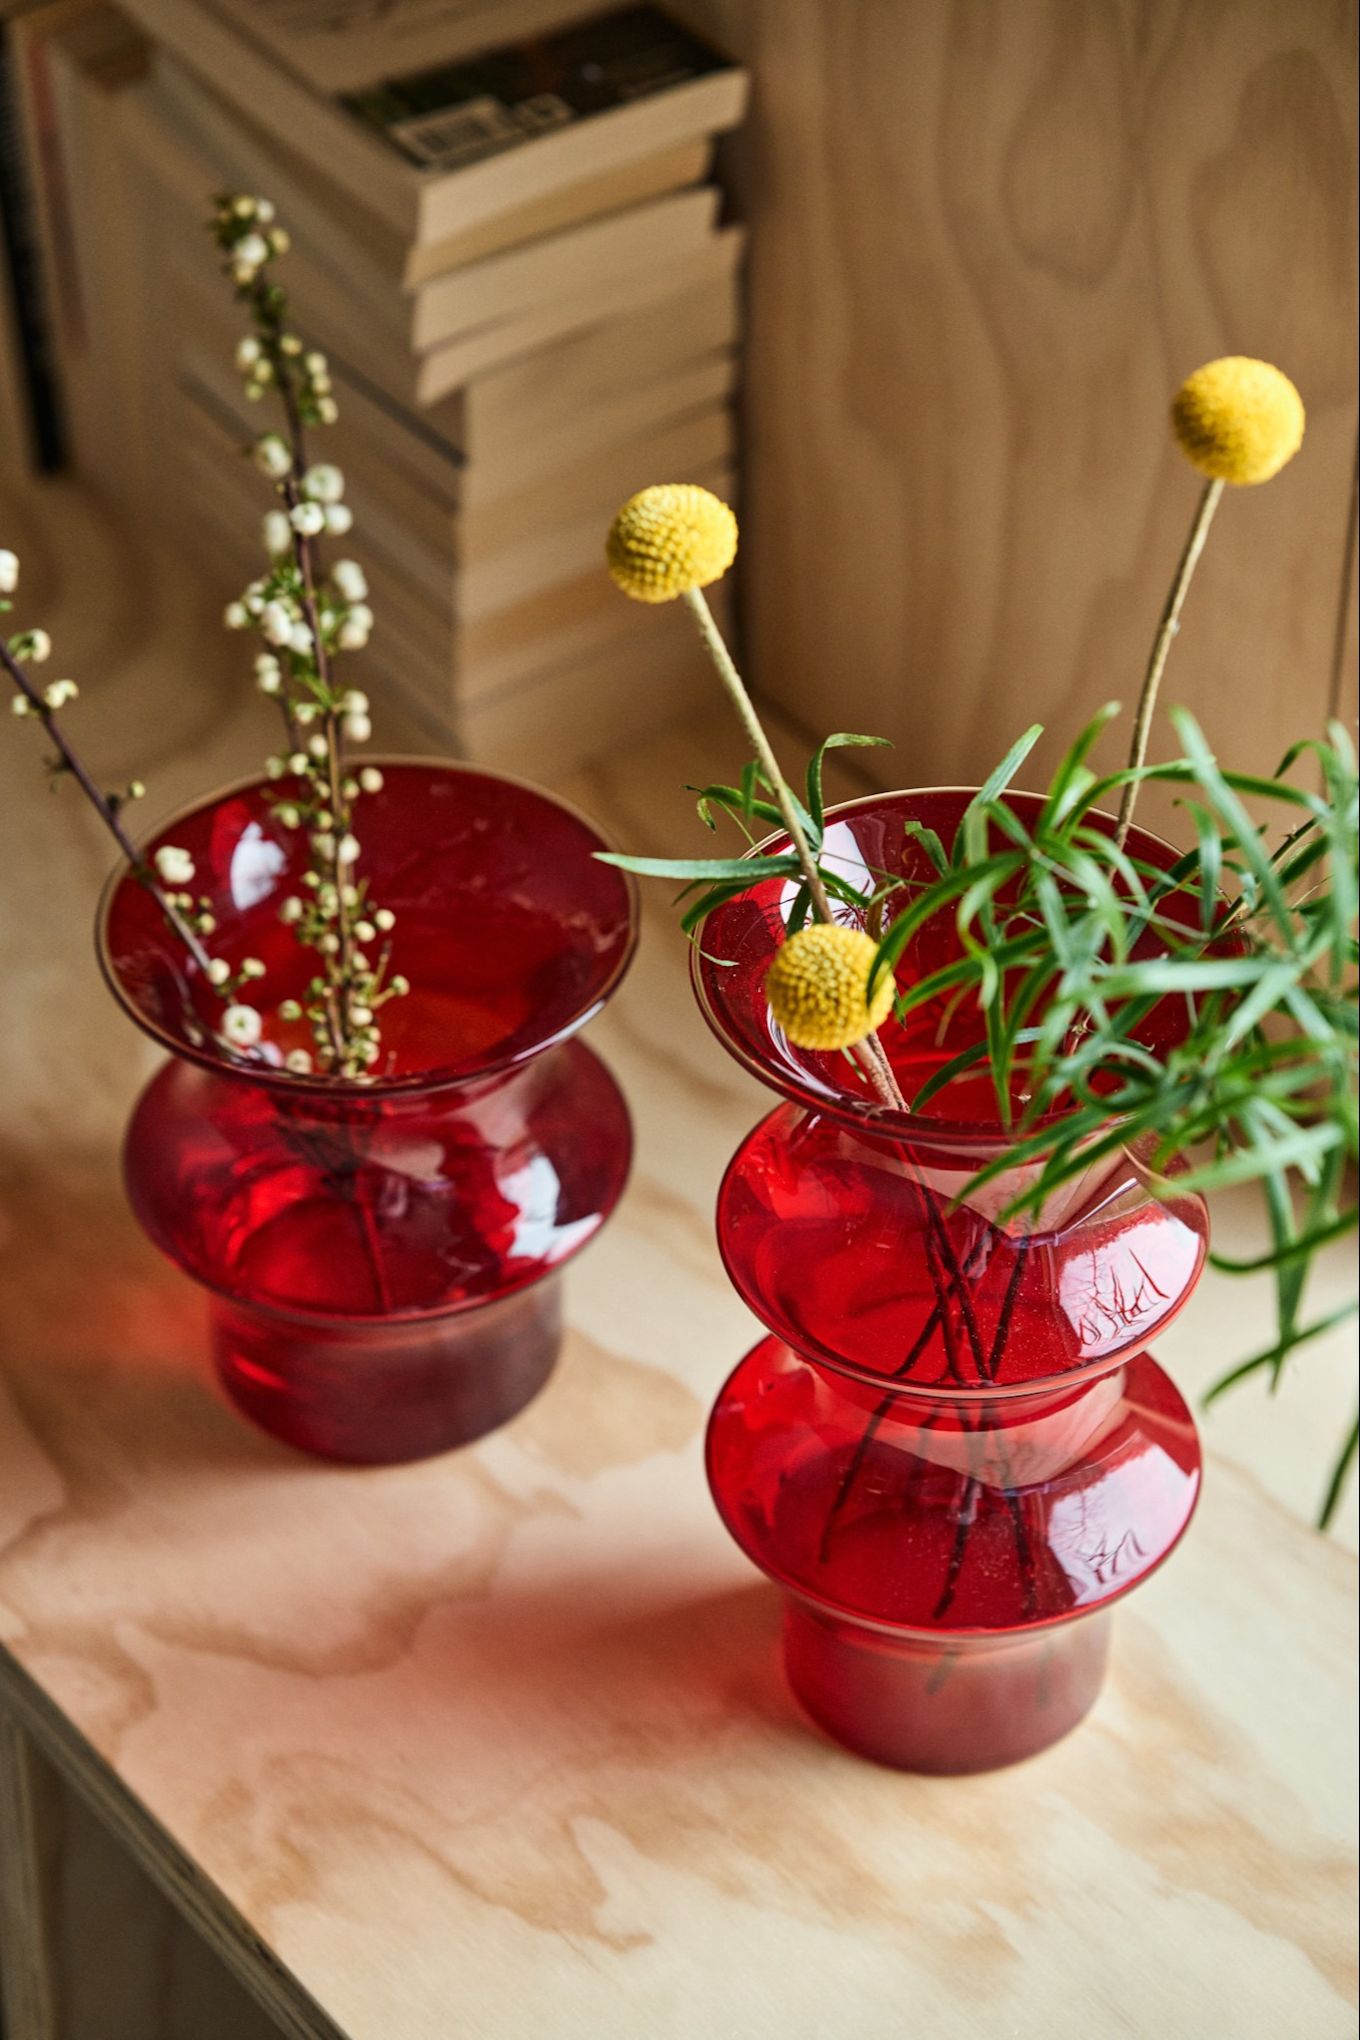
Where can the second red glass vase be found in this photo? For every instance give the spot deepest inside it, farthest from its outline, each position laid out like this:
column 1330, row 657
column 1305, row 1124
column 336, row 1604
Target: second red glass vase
column 953, row 1452
column 384, row 1260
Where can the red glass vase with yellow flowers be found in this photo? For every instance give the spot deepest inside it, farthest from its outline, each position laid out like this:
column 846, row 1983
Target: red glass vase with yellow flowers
column 999, row 1024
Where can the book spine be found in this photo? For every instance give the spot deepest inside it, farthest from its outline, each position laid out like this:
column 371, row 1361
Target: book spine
column 26, row 282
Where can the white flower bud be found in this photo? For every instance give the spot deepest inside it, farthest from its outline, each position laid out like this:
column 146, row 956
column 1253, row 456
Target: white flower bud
column 242, row 1026
column 290, row 913
column 280, row 241
column 9, row 571
column 400, row 986
column 277, row 533
column 252, row 248
column 136, row 790
column 288, row 815
column 218, row 971
column 323, row 842
column 317, row 746
column 275, row 767
column 355, row 629
column 339, row 519
column 357, row 728
column 347, row 850
column 298, row 1061
column 324, row 483
column 20, row 705
column 264, row 210
column 371, row 780
column 276, row 623
column 243, row 272
column 60, row 692
column 289, row 1009
column 327, row 410
column 251, row 967
column 175, row 866
column 350, row 580
column 300, row 641
column 385, row 919
column 247, row 352
column 236, row 616
column 308, row 518
column 272, row 456
column 298, row 762
column 315, row 363
column 361, row 1016
column 269, row 683
column 244, row 206
column 289, row 344
column 37, row 646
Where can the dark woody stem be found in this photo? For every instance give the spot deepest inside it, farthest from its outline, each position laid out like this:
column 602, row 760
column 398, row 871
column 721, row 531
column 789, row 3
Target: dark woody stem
column 103, row 806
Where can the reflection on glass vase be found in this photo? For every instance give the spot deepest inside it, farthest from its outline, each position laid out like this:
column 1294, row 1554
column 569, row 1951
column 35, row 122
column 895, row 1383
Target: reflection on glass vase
column 952, row 1452
column 384, row 1259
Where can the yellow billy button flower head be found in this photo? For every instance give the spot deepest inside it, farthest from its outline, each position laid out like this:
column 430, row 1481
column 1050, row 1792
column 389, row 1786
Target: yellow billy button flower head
column 1238, row 420
column 818, row 987
column 669, row 540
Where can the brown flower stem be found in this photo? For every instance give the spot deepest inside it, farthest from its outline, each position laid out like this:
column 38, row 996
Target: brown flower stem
column 339, row 970
column 1161, row 648
column 103, row 806
column 1341, row 631
column 869, row 1053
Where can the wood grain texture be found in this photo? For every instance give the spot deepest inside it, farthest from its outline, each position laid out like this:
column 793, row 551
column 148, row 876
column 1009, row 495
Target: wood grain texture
column 988, row 243
column 498, row 1744
column 28, row 1968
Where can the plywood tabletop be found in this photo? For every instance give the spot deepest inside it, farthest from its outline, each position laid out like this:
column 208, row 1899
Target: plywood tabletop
column 498, row 1744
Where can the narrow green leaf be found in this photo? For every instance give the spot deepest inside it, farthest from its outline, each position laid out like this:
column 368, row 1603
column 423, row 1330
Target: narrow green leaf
column 840, row 741
column 1274, row 1353
column 1337, row 1484
column 751, row 869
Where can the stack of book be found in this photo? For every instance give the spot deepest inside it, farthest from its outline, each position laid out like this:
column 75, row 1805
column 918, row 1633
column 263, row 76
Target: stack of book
column 516, row 263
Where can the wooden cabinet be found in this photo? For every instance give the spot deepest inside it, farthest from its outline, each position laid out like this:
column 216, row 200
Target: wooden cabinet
column 990, row 237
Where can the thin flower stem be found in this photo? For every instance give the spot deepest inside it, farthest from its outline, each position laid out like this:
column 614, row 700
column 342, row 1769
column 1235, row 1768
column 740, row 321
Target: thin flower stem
column 1341, row 633
column 103, row 806
column 340, row 969
column 869, row 1053
column 1161, row 648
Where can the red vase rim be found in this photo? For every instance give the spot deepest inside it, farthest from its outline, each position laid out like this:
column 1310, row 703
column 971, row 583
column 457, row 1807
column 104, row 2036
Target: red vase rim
column 412, row 1083
column 787, row 1073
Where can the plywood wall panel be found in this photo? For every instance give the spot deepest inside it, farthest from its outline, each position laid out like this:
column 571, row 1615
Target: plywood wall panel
column 988, row 241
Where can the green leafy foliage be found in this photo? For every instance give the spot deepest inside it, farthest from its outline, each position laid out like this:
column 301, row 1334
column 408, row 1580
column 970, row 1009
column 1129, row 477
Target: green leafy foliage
column 1246, row 952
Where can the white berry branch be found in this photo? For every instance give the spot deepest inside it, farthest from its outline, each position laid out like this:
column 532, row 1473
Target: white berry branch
column 305, row 621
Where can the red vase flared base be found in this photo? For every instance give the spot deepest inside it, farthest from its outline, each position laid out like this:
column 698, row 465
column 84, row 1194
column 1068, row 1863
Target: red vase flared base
column 919, row 1705
column 381, row 1395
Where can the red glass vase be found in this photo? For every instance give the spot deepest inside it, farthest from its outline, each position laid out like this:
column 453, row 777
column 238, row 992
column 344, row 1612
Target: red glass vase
column 384, row 1259
column 953, row 1452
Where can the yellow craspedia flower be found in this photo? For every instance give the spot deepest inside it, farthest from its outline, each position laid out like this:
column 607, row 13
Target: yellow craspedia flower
column 818, row 987
column 1238, row 420
column 669, row 539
